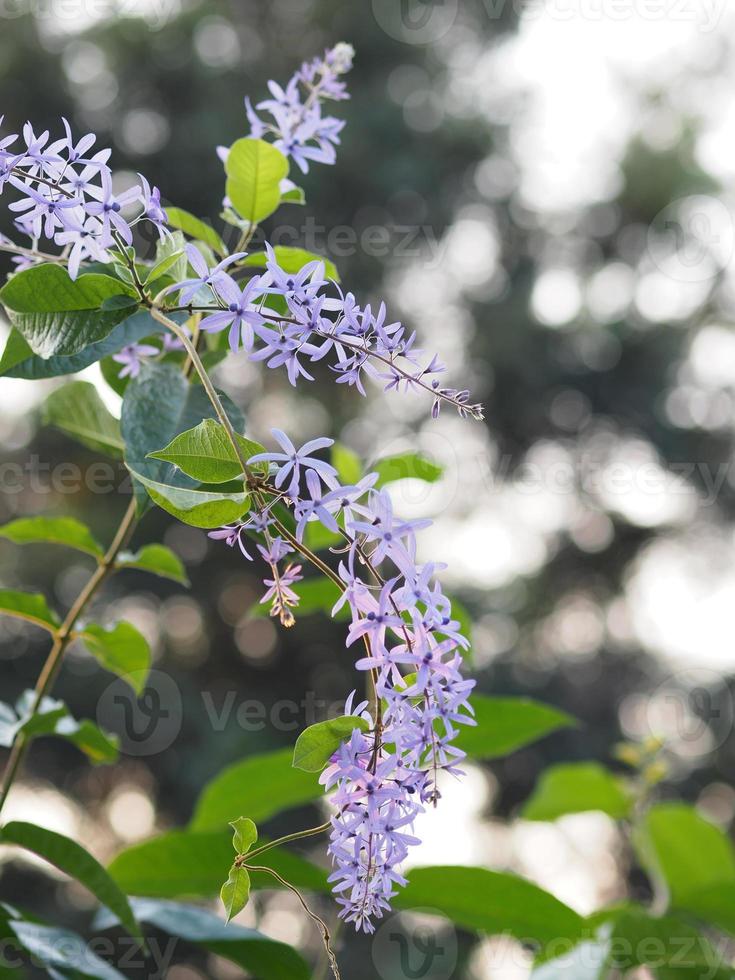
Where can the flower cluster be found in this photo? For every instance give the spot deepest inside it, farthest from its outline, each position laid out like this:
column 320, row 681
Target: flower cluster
column 67, row 195
column 297, row 125
column 321, row 322
column 383, row 776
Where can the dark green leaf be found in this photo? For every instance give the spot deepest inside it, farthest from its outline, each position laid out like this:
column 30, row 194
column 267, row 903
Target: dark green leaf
column 261, row 786
column 122, row 302
column 30, row 606
column 256, row 953
column 507, row 724
column 491, row 902
column 120, row 649
column 63, row 949
column 75, row 861
column 52, row 530
column 156, row 559
column 315, row 746
column 406, row 466
column 197, row 229
column 158, row 405
column 577, row 787
column 185, row 864
column 206, row 454
column 78, row 410
column 19, row 361
column 59, row 316
column 292, row 260
column 255, row 170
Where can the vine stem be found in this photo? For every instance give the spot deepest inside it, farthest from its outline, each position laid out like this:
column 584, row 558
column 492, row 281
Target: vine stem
column 297, row 835
column 62, row 637
column 324, row 928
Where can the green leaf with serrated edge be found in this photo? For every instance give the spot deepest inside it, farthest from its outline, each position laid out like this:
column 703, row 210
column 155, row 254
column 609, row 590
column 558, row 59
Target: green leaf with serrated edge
column 492, row 902
column 198, row 508
column 186, row 864
column 120, row 649
column 292, row 260
column 260, row 786
column 347, row 463
column 576, row 788
column 52, row 530
column 64, row 954
column 245, row 834
column 71, row 858
column 235, row 893
column 316, row 744
column 507, row 724
column 77, row 409
column 19, row 361
column 256, row 953
column 196, row 228
column 255, row 170
column 53, row 717
column 59, row 316
column 158, row 405
column 686, row 852
column 406, row 466
column 156, row 559
column 31, row 606
column 206, row 454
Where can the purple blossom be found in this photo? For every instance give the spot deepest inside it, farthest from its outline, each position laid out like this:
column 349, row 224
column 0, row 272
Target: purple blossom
column 292, row 459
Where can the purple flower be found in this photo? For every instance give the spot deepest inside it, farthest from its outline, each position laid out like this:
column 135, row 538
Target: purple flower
column 131, row 357
column 293, row 459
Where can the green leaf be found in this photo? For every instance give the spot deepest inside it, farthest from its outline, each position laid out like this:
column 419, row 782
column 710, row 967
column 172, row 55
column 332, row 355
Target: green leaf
column 75, row 861
column 206, row 454
column 714, row 904
column 54, row 718
column 156, row 559
column 197, row 229
column 158, row 405
column 186, row 864
column 256, row 953
column 347, row 463
column 687, row 852
column 255, row 170
column 245, row 834
column 507, row 724
column 19, row 361
column 575, row 788
column 78, row 410
column 492, row 902
column 235, row 893
column 121, row 302
column 261, row 786
column 59, row 316
column 406, row 466
column 294, row 195
column 62, row 949
column 199, row 508
column 292, row 260
column 165, row 264
column 52, row 530
column 31, row 606
column 315, row 746
column 120, row 649
column 170, row 258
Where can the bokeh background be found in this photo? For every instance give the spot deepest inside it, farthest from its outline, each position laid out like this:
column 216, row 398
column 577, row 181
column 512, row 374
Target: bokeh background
column 544, row 191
